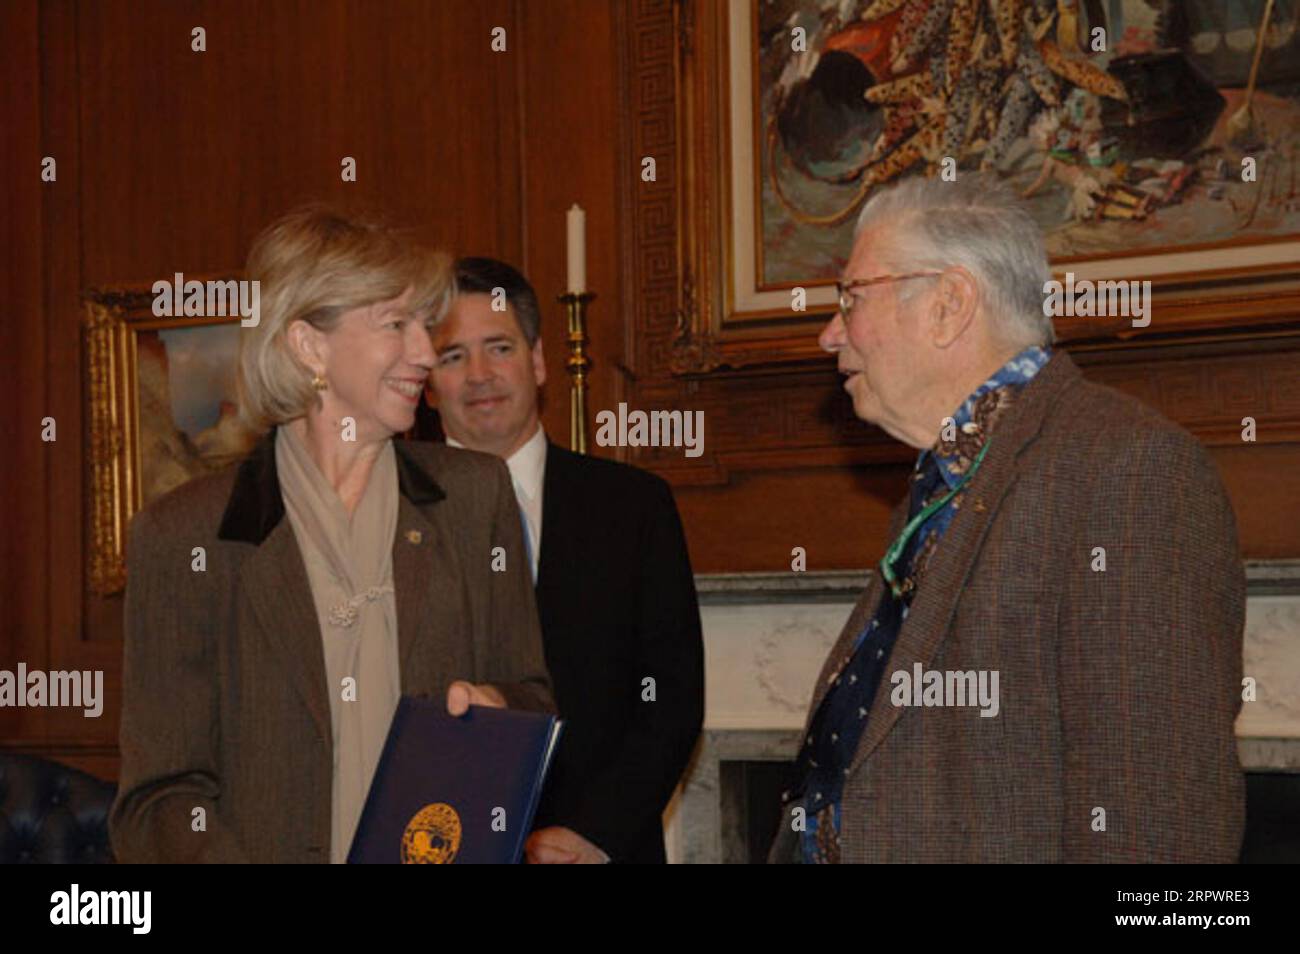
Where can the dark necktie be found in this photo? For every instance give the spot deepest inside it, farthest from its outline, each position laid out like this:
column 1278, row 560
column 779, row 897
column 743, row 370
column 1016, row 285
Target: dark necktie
column 841, row 718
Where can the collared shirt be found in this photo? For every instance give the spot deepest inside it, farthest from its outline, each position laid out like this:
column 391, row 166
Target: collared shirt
column 527, row 468
column 837, row 727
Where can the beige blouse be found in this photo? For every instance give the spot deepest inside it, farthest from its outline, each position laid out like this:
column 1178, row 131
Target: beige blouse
column 349, row 563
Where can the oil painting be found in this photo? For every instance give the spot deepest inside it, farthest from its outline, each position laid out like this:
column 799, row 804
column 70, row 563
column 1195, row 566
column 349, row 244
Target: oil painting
column 1130, row 126
column 162, row 411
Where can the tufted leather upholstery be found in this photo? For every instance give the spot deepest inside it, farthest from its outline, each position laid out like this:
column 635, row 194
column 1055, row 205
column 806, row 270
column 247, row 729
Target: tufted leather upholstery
column 52, row 814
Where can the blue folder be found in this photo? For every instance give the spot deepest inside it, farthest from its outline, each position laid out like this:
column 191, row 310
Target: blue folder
column 451, row 790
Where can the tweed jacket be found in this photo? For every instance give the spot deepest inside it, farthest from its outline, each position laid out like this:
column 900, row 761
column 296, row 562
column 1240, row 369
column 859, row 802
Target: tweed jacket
column 1118, row 687
column 225, row 706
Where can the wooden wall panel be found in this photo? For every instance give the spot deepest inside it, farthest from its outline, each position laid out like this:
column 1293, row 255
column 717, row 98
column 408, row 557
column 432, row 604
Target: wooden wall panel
column 24, row 473
column 570, row 106
column 188, row 155
column 839, row 515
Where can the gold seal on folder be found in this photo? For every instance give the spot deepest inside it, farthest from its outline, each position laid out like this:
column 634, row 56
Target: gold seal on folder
column 432, row 836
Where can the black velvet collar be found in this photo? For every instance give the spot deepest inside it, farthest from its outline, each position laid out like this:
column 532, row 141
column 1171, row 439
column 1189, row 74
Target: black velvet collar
column 255, row 506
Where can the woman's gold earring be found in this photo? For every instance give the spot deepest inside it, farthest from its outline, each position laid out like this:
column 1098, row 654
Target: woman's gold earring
column 319, row 383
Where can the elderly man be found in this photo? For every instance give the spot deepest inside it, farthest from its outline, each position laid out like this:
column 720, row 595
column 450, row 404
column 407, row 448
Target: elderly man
column 1047, row 666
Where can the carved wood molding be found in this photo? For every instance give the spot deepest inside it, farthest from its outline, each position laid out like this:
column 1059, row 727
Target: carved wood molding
column 650, row 49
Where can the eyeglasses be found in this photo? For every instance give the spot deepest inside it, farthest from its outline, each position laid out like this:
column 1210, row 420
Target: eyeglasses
column 845, row 289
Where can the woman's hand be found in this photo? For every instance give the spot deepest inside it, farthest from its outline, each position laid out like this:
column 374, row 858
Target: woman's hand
column 461, row 695
column 562, row 846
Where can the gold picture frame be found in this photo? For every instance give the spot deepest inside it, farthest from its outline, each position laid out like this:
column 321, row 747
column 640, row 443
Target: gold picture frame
column 124, row 475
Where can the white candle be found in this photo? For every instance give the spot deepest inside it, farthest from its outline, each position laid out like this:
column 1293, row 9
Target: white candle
column 576, row 221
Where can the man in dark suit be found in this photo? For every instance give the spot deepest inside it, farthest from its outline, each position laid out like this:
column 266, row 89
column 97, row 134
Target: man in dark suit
column 1047, row 666
column 620, row 621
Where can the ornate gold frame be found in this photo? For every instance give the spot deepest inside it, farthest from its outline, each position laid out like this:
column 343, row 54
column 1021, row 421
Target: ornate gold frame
column 112, row 319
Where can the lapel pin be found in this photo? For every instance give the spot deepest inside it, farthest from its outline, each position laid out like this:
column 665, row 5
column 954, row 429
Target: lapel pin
column 414, row 536
column 979, row 506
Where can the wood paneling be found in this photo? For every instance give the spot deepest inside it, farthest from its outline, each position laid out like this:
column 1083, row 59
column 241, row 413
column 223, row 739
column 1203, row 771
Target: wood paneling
column 190, row 154
column 24, row 472
column 569, row 108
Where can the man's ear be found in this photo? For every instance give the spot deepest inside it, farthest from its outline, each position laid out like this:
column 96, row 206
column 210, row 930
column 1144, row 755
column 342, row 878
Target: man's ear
column 308, row 345
column 956, row 300
column 539, row 362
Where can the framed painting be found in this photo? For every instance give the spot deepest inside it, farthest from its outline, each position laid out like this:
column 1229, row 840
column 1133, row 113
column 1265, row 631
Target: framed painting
column 1150, row 139
column 162, row 411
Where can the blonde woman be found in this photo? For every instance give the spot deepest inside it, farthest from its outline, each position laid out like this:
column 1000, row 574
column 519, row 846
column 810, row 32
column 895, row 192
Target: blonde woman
column 341, row 569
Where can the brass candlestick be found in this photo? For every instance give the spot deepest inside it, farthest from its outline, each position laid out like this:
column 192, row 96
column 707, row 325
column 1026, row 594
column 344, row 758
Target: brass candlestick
column 578, row 364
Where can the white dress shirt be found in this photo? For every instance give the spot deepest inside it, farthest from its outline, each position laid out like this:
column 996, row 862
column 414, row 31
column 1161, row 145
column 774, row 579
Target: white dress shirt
column 527, row 468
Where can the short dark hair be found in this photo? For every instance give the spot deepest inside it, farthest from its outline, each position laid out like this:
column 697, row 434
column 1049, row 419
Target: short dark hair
column 483, row 275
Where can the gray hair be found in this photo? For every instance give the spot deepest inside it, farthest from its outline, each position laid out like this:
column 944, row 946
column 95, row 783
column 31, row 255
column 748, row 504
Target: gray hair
column 977, row 223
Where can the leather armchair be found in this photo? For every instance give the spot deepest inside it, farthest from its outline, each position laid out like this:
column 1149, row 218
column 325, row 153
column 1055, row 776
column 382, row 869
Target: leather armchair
column 52, row 814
